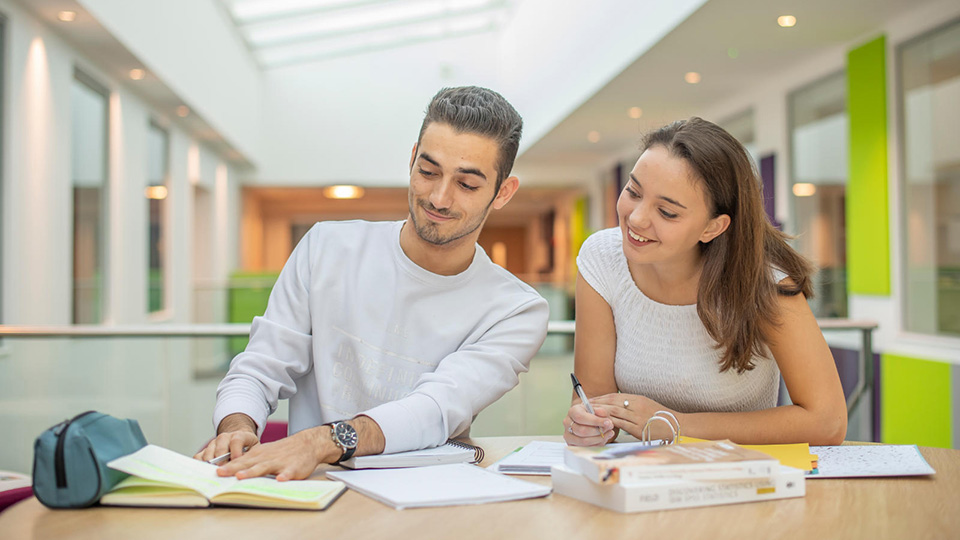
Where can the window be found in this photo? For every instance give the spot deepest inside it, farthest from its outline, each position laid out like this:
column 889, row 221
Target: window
column 929, row 90
column 819, row 135
column 89, row 121
column 157, row 169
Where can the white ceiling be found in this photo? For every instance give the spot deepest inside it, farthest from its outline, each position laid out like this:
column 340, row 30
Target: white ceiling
column 703, row 43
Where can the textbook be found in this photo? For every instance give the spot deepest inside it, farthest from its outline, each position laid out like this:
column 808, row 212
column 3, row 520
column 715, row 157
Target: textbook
column 631, row 462
column 451, row 452
column 671, row 493
column 162, row 477
column 438, row 485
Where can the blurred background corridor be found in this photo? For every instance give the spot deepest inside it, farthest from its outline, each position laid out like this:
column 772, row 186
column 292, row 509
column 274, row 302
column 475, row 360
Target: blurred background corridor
column 160, row 159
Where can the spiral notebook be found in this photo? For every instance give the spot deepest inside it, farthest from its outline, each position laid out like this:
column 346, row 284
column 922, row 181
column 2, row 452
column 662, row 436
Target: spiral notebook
column 451, row 452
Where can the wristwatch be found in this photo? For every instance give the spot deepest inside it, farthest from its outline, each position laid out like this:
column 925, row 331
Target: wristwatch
column 345, row 437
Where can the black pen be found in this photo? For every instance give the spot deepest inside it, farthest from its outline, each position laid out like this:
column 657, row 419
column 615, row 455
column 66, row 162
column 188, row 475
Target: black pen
column 583, row 398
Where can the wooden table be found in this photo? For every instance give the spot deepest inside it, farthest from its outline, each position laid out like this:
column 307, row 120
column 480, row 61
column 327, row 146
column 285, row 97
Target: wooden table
column 924, row 507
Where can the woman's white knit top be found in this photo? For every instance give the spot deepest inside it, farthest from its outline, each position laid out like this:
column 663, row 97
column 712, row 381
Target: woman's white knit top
column 663, row 351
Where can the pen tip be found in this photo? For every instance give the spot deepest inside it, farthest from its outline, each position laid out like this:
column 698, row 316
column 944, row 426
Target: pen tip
column 574, row 379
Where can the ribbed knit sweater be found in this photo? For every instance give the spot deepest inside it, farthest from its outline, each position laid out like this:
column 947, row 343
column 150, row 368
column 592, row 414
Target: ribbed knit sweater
column 663, row 351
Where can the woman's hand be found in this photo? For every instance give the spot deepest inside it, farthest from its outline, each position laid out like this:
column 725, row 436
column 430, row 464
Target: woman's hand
column 581, row 428
column 630, row 413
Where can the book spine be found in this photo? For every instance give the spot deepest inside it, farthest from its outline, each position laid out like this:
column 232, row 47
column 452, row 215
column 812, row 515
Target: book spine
column 698, row 471
column 707, row 493
column 588, row 467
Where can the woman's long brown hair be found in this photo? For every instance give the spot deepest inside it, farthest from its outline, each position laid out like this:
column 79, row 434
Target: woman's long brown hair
column 737, row 297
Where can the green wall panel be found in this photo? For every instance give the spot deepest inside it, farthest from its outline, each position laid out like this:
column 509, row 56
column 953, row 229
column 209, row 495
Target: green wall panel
column 868, row 227
column 915, row 401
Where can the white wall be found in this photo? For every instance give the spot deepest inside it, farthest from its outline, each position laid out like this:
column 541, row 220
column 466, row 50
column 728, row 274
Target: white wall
column 37, row 282
column 44, row 381
column 770, row 106
column 194, row 48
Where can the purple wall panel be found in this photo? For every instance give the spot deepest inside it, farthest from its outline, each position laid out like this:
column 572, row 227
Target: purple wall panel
column 767, row 171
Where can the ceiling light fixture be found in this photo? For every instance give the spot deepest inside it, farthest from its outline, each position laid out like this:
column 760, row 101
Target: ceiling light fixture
column 183, row 111
column 157, row 193
column 804, row 189
column 692, row 77
column 593, row 136
column 635, row 112
column 67, row 16
column 343, row 192
column 787, row 21
column 137, row 74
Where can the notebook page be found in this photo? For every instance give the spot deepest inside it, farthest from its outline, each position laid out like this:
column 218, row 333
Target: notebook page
column 535, row 458
column 869, row 460
column 439, row 485
column 296, row 491
column 156, row 463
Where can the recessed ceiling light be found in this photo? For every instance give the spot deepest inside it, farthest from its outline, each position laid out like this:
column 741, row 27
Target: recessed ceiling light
column 343, row 192
column 635, row 112
column 593, row 136
column 692, row 77
column 157, row 193
column 804, row 189
column 183, row 111
column 67, row 16
column 137, row 74
column 786, row 21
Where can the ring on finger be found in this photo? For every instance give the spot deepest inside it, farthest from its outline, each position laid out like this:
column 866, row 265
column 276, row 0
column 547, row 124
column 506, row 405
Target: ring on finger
column 626, row 404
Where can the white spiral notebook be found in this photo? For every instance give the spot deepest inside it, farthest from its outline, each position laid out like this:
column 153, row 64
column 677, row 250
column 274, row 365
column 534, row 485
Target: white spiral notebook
column 451, row 452
column 439, row 485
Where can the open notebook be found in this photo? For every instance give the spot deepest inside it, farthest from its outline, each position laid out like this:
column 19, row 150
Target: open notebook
column 163, row 477
column 451, row 452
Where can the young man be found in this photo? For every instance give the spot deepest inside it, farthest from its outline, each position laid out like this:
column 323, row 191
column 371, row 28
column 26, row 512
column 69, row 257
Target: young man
column 391, row 336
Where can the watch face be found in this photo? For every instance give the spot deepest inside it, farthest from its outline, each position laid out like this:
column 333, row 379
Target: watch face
column 345, row 434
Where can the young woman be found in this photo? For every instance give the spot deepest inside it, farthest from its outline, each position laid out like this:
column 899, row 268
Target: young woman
column 696, row 305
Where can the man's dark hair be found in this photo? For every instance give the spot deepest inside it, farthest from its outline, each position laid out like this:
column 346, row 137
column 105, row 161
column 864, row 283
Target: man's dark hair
column 481, row 111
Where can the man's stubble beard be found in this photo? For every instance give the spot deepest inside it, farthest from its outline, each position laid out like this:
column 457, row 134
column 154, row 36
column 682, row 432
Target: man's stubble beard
column 428, row 232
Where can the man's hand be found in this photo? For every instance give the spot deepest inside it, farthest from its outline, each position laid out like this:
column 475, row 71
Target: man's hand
column 235, row 432
column 292, row 458
column 297, row 456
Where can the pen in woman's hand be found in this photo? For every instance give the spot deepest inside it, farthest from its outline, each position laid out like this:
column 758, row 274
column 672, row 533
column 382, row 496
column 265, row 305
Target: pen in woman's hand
column 583, row 398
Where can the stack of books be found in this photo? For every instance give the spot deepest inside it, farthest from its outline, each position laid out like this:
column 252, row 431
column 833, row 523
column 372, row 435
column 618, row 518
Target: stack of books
column 638, row 477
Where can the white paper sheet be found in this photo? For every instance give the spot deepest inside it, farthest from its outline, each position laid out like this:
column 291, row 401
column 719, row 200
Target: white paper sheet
column 869, row 460
column 439, row 485
column 535, row 458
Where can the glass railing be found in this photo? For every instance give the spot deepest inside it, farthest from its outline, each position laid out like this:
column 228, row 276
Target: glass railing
column 166, row 376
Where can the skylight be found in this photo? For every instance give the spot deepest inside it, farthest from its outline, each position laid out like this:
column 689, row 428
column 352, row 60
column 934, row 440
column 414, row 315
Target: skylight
column 284, row 32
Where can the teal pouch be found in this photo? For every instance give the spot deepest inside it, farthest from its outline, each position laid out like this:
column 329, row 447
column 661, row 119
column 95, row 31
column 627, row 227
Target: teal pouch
column 70, row 459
